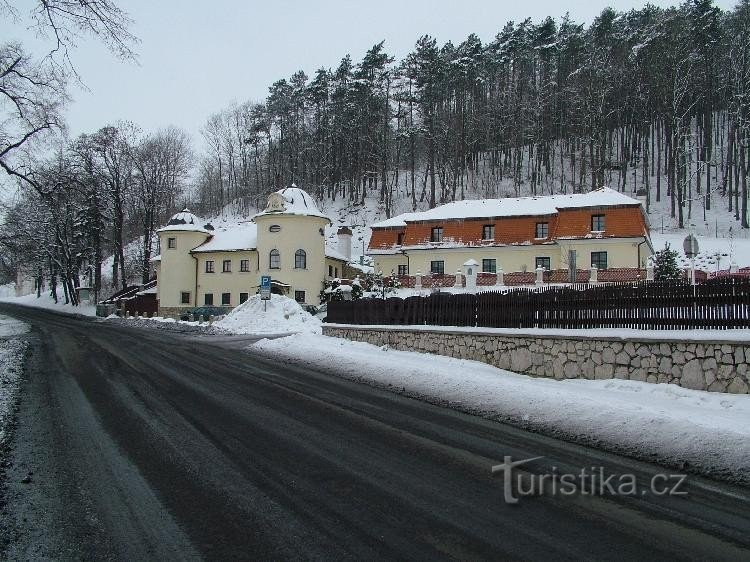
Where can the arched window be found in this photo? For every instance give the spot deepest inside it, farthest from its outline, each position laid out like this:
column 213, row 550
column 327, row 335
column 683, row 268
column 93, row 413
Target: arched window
column 275, row 258
column 300, row 259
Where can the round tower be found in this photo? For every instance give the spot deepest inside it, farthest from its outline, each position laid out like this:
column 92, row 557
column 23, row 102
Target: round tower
column 291, row 244
column 176, row 273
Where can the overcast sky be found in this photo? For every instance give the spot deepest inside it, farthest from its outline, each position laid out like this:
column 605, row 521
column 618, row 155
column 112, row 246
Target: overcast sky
column 195, row 58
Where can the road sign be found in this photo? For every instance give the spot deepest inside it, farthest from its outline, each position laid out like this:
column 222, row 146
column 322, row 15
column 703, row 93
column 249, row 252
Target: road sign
column 265, row 287
column 690, row 245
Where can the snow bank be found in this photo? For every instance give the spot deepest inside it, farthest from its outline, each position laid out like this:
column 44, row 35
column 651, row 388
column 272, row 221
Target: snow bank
column 8, row 290
column 707, row 432
column 280, row 315
column 46, row 301
column 11, row 366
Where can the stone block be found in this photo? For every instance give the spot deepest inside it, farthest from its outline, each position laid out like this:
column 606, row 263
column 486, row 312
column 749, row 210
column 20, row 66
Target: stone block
column 692, row 376
column 622, row 372
column 738, row 386
column 665, row 365
column 739, row 356
column 604, row 371
column 623, row 358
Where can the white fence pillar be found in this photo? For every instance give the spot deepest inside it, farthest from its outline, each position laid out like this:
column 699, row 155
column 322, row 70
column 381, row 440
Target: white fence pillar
column 594, row 275
column 539, row 275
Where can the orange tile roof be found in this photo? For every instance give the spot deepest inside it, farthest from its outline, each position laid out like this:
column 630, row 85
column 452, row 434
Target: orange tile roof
column 620, row 222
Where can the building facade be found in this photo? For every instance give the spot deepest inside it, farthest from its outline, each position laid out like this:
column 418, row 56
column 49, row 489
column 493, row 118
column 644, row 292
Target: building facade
column 602, row 228
column 203, row 266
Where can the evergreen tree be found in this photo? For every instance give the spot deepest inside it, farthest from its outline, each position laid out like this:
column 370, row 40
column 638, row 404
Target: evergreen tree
column 665, row 265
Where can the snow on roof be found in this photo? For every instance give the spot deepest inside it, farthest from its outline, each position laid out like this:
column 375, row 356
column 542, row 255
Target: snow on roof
column 513, row 207
column 292, row 201
column 333, row 253
column 156, row 258
column 184, row 221
column 236, row 238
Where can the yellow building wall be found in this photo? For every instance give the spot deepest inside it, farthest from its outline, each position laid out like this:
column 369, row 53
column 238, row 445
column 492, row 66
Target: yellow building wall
column 297, row 232
column 234, row 282
column 176, row 271
column 620, row 253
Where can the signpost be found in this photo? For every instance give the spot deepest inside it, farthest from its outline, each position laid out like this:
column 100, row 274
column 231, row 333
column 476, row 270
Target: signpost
column 265, row 289
column 690, row 246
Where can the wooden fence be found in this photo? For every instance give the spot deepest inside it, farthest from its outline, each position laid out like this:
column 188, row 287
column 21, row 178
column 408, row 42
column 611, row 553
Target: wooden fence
column 722, row 303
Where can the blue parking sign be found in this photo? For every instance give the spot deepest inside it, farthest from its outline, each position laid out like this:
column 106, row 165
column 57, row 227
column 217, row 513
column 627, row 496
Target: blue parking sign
column 265, row 287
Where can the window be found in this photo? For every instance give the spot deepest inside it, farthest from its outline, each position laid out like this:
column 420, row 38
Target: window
column 209, row 266
column 244, row 266
column 299, row 296
column 243, row 297
column 597, row 223
column 542, row 230
column 489, row 266
column 226, row 299
column 226, row 266
column 300, row 259
column 335, row 271
column 275, row 260
column 400, row 240
column 171, row 243
column 437, row 267
column 208, row 299
column 599, row 260
column 437, row 234
column 403, row 270
column 184, row 297
column 488, row 232
column 274, row 228
column 330, row 271
column 544, row 263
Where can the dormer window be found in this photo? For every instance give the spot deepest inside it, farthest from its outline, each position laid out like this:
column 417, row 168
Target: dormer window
column 597, row 223
column 488, row 232
column 542, row 230
column 437, row 234
column 400, row 239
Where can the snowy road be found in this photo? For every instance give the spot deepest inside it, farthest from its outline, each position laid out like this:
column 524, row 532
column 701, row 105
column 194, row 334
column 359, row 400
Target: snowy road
column 143, row 444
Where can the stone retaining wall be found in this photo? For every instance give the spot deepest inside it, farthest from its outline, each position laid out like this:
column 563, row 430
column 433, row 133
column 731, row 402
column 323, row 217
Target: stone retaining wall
column 715, row 366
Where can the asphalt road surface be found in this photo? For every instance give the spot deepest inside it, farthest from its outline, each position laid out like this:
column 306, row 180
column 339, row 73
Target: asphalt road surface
column 136, row 444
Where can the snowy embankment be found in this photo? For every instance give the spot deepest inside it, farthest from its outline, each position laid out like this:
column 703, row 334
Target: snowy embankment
column 11, row 366
column 705, row 432
column 46, row 301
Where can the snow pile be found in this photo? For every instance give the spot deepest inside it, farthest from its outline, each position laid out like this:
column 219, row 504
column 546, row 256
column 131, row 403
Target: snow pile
column 46, row 301
column 8, row 290
column 684, row 428
column 11, row 366
column 280, row 315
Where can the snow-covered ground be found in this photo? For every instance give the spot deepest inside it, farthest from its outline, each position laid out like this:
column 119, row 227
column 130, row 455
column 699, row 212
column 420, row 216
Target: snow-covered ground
column 11, row 366
column 714, row 253
column 680, row 427
column 741, row 335
column 8, row 290
column 46, row 301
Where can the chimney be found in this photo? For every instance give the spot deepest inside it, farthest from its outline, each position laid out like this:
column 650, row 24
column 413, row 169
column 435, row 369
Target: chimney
column 345, row 242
